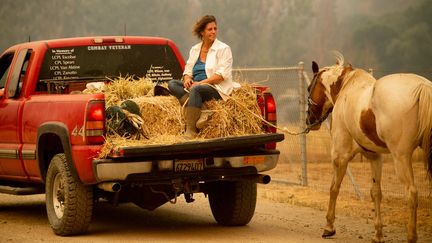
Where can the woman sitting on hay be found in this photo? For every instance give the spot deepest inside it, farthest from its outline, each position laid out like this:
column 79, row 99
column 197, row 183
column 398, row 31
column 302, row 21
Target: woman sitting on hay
column 207, row 74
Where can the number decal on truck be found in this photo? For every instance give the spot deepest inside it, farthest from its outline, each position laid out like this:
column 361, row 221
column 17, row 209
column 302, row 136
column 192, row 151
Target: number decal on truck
column 76, row 132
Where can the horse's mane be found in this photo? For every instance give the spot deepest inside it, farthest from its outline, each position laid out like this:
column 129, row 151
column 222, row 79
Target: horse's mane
column 340, row 64
column 353, row 75
column 340, row 61
column 339, row 58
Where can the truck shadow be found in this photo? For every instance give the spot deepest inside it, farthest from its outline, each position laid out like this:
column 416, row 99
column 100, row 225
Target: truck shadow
column 32, row 209
column 126, row 221
column 166, row 220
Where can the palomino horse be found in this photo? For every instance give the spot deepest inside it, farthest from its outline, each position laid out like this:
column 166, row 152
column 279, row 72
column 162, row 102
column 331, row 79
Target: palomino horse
column 390, row 115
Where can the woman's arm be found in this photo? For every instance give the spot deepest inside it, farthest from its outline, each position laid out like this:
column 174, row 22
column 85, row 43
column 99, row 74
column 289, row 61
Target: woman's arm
column 224, row 64
column 189, row 63
column 214, row 79
column 187, row 73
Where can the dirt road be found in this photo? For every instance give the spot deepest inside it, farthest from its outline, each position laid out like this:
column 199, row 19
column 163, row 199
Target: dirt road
column 23, row 219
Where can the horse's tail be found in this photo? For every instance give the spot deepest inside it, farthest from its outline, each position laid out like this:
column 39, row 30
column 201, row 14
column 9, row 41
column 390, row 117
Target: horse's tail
column 425, row 120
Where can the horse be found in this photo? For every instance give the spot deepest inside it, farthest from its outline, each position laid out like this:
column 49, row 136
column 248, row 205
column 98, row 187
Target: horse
column 373, row 117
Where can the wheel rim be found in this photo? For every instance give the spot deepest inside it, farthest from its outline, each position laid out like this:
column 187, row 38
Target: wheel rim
column 58, row 196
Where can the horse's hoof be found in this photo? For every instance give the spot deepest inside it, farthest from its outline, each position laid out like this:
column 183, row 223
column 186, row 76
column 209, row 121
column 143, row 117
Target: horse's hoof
column 377, row 240
column 328, row 233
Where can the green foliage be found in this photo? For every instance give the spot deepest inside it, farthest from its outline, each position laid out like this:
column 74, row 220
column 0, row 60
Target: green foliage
column 395, row 42
column 387, row 35
column 252, row 28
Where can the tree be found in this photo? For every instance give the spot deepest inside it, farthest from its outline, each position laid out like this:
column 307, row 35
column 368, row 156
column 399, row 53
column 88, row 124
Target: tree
column 394, row 42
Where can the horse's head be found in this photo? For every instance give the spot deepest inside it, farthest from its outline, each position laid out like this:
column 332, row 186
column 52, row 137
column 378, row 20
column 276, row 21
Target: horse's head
column 323, row 91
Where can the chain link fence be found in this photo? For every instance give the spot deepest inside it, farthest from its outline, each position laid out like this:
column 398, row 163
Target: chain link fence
column 305, row 159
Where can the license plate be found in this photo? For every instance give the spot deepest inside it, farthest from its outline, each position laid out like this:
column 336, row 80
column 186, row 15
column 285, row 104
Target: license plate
column 189, row 165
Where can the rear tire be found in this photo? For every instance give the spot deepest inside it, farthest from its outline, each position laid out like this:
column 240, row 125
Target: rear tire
column 69, row 203
column 233, row 202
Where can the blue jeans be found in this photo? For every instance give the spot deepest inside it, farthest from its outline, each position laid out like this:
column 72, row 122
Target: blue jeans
column 197, row 94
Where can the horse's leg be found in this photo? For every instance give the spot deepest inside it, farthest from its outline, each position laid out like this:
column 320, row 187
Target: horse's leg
column 376, row 194
column 340, row 164
column 405, row 172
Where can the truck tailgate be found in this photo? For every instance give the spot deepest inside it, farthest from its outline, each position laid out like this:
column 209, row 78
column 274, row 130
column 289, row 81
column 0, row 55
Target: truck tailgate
column 207, row 146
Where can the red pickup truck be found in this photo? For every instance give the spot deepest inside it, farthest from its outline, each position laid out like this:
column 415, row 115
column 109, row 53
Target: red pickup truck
column 50, row 139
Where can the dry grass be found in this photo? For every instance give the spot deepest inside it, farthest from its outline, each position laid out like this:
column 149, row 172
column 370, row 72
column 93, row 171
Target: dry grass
column 319, row 175
column 393, row 210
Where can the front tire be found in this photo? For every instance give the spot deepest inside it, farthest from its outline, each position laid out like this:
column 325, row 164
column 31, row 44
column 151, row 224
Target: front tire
column 233, row 202
column 69, row 203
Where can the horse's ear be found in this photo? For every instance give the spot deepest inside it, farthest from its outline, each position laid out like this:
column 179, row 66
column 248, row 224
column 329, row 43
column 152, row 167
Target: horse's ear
column 315, row 67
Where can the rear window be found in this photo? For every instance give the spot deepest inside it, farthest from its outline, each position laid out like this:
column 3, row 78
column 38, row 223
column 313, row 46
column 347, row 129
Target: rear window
column 157, row 62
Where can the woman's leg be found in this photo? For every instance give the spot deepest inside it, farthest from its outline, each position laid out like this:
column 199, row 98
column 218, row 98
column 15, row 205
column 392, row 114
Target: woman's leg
column 197, row 96
column 202, row 93
column 176, row 87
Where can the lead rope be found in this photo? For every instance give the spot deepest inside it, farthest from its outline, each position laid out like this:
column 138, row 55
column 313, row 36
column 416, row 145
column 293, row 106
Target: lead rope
column 283, row 129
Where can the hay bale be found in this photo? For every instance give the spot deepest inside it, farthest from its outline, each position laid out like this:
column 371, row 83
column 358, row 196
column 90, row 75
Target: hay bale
column 163, row 119
column 239, row 115
column 162, row 115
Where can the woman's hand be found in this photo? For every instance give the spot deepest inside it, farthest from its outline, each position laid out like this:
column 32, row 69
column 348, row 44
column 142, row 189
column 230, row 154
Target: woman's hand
column 196, row 84
column 187, row 82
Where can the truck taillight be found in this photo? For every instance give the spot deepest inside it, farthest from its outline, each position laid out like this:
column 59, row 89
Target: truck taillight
column 270, row 108
column 97, row 114
column 267, row 106
column 95, row 122
column 270, row 116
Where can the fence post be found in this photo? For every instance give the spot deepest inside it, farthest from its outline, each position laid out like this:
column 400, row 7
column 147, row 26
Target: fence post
column 302, row 108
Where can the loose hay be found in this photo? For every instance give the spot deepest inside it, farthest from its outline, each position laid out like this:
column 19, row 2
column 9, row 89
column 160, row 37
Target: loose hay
column 161, row 115
column 115, row 141
column 163, row 118
column 121, row 89
column 239, row 115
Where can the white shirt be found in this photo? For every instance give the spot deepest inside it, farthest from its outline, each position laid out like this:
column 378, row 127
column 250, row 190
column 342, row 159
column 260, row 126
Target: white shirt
column 219, row 61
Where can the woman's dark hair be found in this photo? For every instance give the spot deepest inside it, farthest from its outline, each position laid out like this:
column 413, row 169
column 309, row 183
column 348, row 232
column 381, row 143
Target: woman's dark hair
column 201, row 24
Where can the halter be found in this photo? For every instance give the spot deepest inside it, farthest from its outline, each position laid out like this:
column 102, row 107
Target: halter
column 312, row 103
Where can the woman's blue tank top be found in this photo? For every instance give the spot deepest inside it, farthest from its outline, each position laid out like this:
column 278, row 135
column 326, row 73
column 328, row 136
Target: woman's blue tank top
column 198, row 71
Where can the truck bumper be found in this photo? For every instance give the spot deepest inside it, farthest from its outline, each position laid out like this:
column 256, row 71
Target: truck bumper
column 120, row 170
